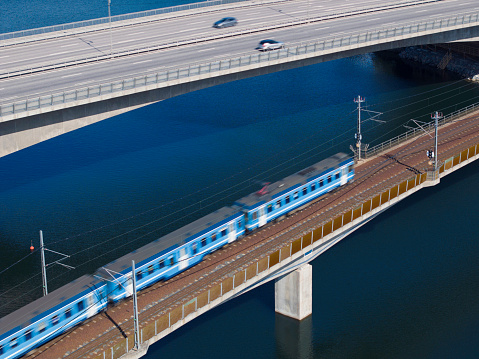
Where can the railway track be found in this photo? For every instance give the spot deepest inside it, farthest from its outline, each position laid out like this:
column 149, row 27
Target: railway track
column 372, row 177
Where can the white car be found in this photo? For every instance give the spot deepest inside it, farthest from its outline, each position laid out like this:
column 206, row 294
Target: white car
column 265, row 45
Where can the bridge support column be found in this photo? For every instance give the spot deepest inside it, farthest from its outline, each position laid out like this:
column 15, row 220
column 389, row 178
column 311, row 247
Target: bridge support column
column 293, row 293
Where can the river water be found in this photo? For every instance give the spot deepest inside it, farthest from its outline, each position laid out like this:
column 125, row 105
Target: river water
column 403, row 286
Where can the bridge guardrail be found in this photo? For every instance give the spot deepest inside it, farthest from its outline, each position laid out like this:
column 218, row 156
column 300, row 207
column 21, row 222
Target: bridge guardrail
column 160, row 78
column 169, row 318
column 114, row 19
column 128, row 51
column 373, row 151
column 68, row 29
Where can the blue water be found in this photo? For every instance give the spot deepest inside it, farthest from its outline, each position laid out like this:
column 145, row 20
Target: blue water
column 403, row 286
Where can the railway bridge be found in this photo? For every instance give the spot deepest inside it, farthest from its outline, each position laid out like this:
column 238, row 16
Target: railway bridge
column 59, row 79
column 280, row 251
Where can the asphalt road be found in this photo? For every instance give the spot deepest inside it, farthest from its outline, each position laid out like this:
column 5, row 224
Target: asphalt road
column 193, row 27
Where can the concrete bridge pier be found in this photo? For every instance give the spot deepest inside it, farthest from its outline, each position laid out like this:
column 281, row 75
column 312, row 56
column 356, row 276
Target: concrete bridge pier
column 293, row 293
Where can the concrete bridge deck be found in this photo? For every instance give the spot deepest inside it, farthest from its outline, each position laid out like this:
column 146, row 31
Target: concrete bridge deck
column 44, row 100
column 381, row 181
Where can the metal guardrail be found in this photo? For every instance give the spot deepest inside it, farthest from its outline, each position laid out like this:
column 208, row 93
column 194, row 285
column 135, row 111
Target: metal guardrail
column 136, row 18
column 117, row 18
column 128, row 51
column 159, row 79
column 373, row 151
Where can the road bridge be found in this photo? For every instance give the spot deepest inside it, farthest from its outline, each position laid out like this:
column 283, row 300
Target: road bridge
column 390, row 172
column 53, row 82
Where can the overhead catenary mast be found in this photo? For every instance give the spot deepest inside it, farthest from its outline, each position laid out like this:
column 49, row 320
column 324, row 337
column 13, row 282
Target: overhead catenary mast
column 45, row 265
column 358, row 136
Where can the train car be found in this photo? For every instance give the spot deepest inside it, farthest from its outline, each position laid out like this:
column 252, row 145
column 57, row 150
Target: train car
column 173, row 253
column 47, row 317
column 282, row 197
column 51, row 315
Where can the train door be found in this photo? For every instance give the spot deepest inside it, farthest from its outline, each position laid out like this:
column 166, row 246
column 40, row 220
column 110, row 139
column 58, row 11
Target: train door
column 231, row 233
column 128, row 286
column 91, row 305
column 262, row 216
column 344, row 175
column 183, row 259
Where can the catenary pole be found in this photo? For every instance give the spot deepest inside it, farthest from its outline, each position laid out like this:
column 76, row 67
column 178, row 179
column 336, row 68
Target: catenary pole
column 44, row 271
column 135, row 308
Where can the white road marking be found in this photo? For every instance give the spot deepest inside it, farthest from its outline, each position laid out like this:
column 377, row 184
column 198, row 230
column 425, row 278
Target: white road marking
column 140, row 62
column 198, row 28
column 421, row 11
column 2, row 57
column 71, row 75
column 376, row 19
column 207, row 49
column 3, row 88
column 135, row 33
column 322, row 28
column 68, row 45
column 58, row 53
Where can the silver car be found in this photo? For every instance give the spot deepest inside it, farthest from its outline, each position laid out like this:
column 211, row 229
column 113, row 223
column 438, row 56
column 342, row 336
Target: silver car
column 266, row 45
column 225, row 22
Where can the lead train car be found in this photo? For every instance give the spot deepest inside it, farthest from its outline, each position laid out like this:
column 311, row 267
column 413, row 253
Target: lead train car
column 282, row 197
column 49, row 316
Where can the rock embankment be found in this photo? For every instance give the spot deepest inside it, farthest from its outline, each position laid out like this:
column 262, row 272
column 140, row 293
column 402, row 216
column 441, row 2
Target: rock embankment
column 465, row 67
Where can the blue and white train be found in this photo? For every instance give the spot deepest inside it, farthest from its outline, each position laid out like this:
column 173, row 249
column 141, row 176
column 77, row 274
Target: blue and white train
column 53, row 314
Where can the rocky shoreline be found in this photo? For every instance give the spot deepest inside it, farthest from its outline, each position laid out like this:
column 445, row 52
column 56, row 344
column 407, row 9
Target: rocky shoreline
column 464, row 67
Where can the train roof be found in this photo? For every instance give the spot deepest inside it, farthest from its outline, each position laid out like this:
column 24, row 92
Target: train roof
column 47, row 304
column 298, row 179
column 175, row 238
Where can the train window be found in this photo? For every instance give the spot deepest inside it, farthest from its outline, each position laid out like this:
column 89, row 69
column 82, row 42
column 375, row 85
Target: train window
column 313, row 186
column 255, row 215
column 286, row 199
column 213, row 237
column 172, row 261
column 194, row 248
column 321, row 183
column 55, row 320
column 139, row 275
column 151, row 269
column 28, row 334
column 295, row 195
column 329, row 179
column 80, row 305
column 350, row 169
column 305, row 191
column 41, row 327
column 68, row 313
column 240, row 224
column 278, row 204
column 203, row 242
column 161, row 263
column 270, row 208
column 337, row 175
column 13, row 343
column 1, row 349
column 223, row 233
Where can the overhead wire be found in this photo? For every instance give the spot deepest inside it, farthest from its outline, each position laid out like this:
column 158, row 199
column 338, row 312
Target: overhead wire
column 217, row 193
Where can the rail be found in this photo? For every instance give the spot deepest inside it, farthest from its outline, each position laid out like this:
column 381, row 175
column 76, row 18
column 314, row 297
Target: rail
column 395, row 141
column 181, row 75
column 166, row 319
